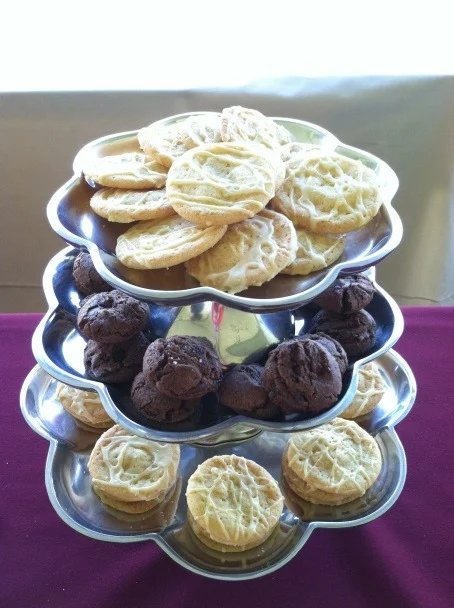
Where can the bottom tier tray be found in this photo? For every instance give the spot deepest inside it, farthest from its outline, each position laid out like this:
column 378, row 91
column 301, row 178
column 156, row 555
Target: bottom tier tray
column 69, row 488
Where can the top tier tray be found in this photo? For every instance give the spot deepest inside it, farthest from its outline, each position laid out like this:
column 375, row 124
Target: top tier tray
column 70, row 215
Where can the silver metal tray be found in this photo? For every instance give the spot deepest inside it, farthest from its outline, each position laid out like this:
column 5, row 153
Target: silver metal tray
column 238, row 337
column 70, row 215
column 69, row 489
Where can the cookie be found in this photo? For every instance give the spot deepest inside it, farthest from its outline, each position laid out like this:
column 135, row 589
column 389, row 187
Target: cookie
column 332, row 346
column 136, row 507
column 115, row 363
column 130, row 170
column 234, row 504
column 333, row 463
column 86, row 278
column 223, row 183
column 125, row 467
column 86, row 406
column 166, row 143
column 370, row 391
column 355, row 332
column 123, row 206
column 328, row 193
column 158, row 407
column 288, row 151
column 250, row 253
column 112, row 317
column 349, row 293
column 201, row 129
column 243, row 124
column 315, row 252
column 164, row 243
column 301, row 375
column 242, row 390
column 182, row 367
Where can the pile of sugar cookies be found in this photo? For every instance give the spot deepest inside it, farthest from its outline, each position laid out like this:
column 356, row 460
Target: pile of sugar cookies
column 233, row 197
column 233, row 503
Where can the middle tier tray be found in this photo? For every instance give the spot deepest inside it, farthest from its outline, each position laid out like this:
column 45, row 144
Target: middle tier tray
column 237, row 336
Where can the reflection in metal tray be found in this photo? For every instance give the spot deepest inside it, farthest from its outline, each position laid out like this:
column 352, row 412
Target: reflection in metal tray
column 237, row 336
column 70, row 492
column 71, row 217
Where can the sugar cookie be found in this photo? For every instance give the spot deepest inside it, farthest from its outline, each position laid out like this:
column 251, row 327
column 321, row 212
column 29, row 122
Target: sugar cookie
column 125, row 467
column 223, row 183
column 250, row 253
column 328, row 193
column 315, row 252
column 333, row 463
column 234, row 504
column 369, row 393
column 86, row 406
column 164, row 243
column 123, row 206
column 130, row 170
column 244, row 124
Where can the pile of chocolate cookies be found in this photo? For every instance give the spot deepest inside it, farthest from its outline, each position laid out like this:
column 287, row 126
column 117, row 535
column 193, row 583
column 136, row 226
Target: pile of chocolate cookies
column 302, row 375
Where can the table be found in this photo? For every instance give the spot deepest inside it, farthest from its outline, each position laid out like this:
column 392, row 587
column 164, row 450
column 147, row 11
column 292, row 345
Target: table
column 402, row 559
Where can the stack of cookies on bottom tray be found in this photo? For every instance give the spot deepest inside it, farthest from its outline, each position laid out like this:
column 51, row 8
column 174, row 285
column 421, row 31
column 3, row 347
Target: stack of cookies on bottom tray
column 233, row 197
column 233, row 503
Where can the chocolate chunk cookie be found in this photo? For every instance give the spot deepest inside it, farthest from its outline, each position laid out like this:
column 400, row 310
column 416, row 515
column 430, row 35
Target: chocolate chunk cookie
column 356, row 332
column 111, row 317
column 241, row 389
column 86, row 278
column 115, row 363
column 301, row 375
column 332, row 346
column 184, row 367
column 158, row 407
column 347, row 294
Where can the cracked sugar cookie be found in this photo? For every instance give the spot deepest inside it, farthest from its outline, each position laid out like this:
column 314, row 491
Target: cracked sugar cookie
column 128, row 468
column 332, row 464
column 164, row 243
column 223, row 183
column 86, row 406
column 244, row 124
column 328, row 193
column 250, row 253
column 166, row 143
column 131, row 170
column 370, row 391
column 234, row 504
column 124, row 206
column 315, row 252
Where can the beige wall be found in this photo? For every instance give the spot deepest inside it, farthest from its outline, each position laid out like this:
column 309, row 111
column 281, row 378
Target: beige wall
column 406, row 121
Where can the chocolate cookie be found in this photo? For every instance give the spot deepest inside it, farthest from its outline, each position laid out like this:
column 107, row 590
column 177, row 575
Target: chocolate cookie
column 115, row 363
column 332, row 346
column 185, row 367
column 241, row 389
column 158, row 407
column 347, row 294
column 301, row 375
column 111, row 317
column 86, row 278
column 356, row 332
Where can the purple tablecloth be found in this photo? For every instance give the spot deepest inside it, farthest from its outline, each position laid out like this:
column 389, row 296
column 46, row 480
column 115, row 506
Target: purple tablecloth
column 404, row 558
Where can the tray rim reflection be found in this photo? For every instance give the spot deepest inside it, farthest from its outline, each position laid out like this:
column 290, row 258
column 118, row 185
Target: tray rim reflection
column 198, row 294
column 235, row 424
column 387, row 429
